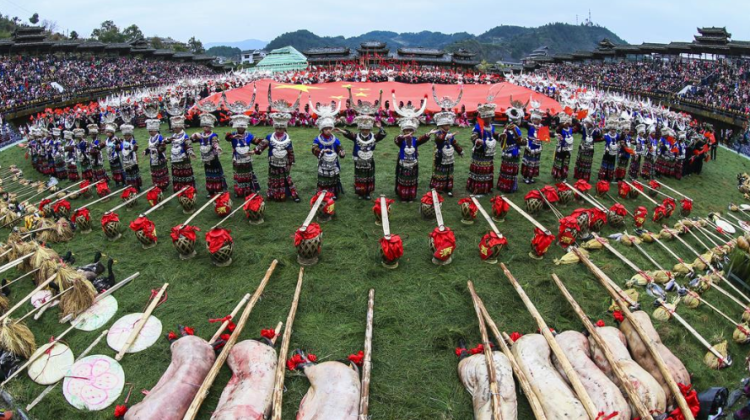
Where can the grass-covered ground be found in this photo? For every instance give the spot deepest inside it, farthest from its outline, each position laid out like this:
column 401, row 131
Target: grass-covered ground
column 421, row 310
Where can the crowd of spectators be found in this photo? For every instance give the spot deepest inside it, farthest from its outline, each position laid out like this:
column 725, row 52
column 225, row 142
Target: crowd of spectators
column 37, row 80
column 402, row 74
column 720, row 85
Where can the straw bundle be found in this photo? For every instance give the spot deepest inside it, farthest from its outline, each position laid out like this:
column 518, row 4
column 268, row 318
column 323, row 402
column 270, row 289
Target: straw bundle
column 17, row 338
column 631, row 293
column 570, row 257
column 710, row 359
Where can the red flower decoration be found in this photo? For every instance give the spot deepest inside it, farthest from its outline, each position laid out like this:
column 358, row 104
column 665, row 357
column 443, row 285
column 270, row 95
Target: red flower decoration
column 358, row 359
column 172, row 336
column 311, row 357
column 120, row 410
column 269, row 334
column 189, row 330
column 600, row 323
column 514, row 336
column 231, row 326
column 618, row 316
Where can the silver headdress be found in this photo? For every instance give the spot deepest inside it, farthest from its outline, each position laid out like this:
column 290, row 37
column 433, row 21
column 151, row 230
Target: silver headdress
column 151, row 109
column 445, row 118
column 364, row 122
column 153, row 124
column 127, row 129
column 176, row 107
column 487, row 110
column 326, row 114
column 93, row 128
column 110, row 127
column 515, row 111
column 207, row 120
column 238, row 121
column 127, row 114
column 178, row 121
column 109, row 117
column 408, row 123
column 446, row 102
column 238, row 107
column 408, row 111
column 282, row 105
column 280, row 119
column 365, row 107
column 79, row 132
column 68, row 135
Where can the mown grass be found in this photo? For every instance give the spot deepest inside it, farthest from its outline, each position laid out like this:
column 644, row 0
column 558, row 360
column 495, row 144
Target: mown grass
column 421, row 310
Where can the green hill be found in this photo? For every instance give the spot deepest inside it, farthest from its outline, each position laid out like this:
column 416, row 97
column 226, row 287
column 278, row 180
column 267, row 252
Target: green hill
column 500, row 43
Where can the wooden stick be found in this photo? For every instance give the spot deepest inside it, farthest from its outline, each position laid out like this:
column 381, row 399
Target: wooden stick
column 72, row 193
column 15, row 262
column 526, row 215
column 105, row 293
column 710, row 239
column 29, row 296
column 599, row 274
column 741, row 224
column 240, row 207
column 141, row 322
column 278, row 385
column 44, row 305
column 656, row 191
column 587, row 198
column 536, row 405
column 364, row 400
column 384, row 218
column 643, row 194
column 647, row 341
column 39, row 354
column 162, row 202
column 233, row 314
column 673, row 190
column 438, row 211
column 126, row 202
column 203, row 207
column 617, row 254
column 708, row 248
column 83, row 354
column 110, row 195
column 570, row 372
column 718, row 229
column 488, row 358
column 313, row 211
column 486, row 217
column 39, row 193
column 202, row 393
column 63, row 190
column 695, row 333
column 621, row 375
column 22, row 276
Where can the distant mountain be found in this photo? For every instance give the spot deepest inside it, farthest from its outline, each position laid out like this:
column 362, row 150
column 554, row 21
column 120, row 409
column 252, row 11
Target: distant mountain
column 507, row 43
column 248, row 44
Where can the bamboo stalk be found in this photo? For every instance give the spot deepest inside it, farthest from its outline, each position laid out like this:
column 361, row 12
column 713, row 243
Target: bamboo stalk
column 709, row 238
column 73, row 193
column 39, row 193
column 15, row 262
column 364, row 400
column 27, row 297
column 105, row 293
column 125, row 203
column 656, row 191
column 313, row 211
column 741, row 224
column 203, row 207
column 110, row 195
column 606, row 282
column 718, row 229
column 643, row 194
column 83, row 354
column 486, row 217
column 617, row 254
column 44, row 305
column 22, row 276
column 572, row 375
column 488, row 358
column 695, row 333
column 240, row 207
column 621, row 375
column 161, row 203
column 599, row 274
column 645, row 253
column 526, row 215
column 37, row 355
column 438, row 211
column 278, row 386
column 697, row 239
column 141, row 322
column 674, row 190
column 225, row 324
column 202, row 393
column 536, row 405
column 384, row 218
column 725, row 316
column 586, row 197
column 49, row 197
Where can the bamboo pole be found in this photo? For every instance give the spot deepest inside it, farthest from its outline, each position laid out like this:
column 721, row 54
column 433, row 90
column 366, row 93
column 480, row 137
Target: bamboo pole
column 674, row 190
column 718, row 229
column 225, row 323
column 121, row 205
column 621, row 375
column 203, row 207
column 486, row 217
column 712, row 240
column 364, row 401
column 202, row 393
column 49, row 197
column 313, row 211
column 39, row 193
column 526, row 215
column 599, row 274
column 141, row 322
column 43, row 305
column 656, row 191
column 83, row 354
column 642, row 193
column 645, row 253
column 696, row 334
column 278, row 385
column 240, row 207
column 22, row 276
column 161, row 203
column 384, row 218
column 38, row 354
column 570, row 372
column 606, row 282
column 106, row 197
column 105, row 293
column 27, row 297
column 438, row 211
column 536, row 405
column 15, row 262
column 72, row 193
column 488, row 358
column 586, row 197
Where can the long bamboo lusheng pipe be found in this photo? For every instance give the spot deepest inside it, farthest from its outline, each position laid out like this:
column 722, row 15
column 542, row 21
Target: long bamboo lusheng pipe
column 202, row 393
column 696, row 334
column 229, row 216
column 572, row 375
column 586, row 197
column 438, row 211
column 104, row 294
column 203, row 207
column 121, row 205
column 384, row 218
column 486, row 216
column 141, row 322
column 364, row 401
column 488, row 358
column 656, row 191
column 49, row 197
column 621, row 375
column 536, row 405
column 674, row 190
column 162, row 202
column 313, row 211
column 643, row 194
column 597, row 271
column 606, row 282
column 225, row 323
column 278, row 387
column 100, row 199
column 526, row 215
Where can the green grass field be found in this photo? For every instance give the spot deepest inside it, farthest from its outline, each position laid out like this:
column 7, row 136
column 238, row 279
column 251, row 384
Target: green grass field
column 421, row 310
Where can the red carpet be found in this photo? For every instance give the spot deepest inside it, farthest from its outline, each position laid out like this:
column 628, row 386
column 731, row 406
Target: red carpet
column 473, row 94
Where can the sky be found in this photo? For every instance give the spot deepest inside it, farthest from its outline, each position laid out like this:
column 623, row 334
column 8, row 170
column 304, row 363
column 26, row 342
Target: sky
column 635, row 21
